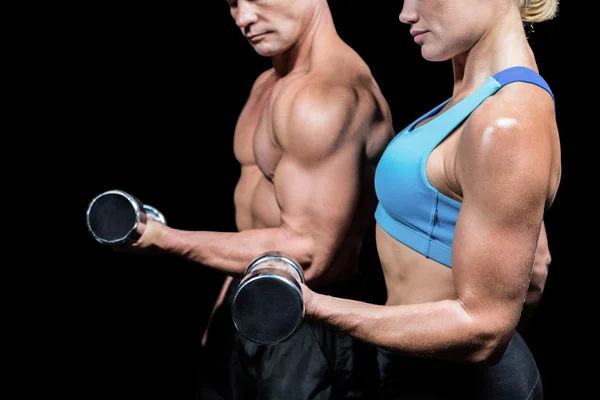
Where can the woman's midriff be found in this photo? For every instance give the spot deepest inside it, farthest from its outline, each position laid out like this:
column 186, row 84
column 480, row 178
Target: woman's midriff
column 410, row 277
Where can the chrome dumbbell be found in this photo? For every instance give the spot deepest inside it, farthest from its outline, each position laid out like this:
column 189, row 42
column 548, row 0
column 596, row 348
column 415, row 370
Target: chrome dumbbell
column 116, row 217
column 268, row 307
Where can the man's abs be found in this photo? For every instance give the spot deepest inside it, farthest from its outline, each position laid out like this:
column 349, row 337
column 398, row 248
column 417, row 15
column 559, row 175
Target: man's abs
column 255, row 202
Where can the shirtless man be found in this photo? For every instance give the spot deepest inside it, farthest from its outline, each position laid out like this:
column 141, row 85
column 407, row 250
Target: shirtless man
column 308, row 141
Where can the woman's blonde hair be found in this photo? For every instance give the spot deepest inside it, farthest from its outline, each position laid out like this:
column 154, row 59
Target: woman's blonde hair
column 538, row 10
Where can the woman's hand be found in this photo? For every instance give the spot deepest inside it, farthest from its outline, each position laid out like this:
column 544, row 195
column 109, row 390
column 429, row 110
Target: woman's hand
column 310, row 299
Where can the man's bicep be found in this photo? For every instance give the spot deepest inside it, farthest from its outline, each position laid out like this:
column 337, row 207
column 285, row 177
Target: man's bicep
column 317, row 178
column 318, row 198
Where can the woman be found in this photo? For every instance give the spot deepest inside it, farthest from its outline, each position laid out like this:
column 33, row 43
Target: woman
column 462, row 195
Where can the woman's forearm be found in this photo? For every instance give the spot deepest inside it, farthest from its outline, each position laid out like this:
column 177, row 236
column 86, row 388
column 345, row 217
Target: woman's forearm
column 441, row 329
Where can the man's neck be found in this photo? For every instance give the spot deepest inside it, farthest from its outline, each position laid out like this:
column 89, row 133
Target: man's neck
column 318, row 34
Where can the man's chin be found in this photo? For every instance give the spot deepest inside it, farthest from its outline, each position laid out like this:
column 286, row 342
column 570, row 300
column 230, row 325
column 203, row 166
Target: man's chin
column 266, row 52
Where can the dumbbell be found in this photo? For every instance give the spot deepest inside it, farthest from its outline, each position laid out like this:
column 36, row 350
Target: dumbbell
column 267, row 306
column 117, row 217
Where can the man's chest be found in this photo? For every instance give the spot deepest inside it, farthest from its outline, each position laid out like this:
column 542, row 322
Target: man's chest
column 255, row 139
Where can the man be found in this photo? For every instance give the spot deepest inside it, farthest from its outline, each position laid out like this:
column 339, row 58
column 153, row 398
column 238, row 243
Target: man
column 308, row 140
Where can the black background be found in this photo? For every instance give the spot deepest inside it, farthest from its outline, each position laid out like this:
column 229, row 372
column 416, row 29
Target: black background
column 154, row 92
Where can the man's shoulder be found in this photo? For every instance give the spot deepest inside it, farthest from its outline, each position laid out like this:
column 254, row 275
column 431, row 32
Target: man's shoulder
column 328, row 83
column 314, row 109
column 263, row 77
column 344, row 67
column 312, row 93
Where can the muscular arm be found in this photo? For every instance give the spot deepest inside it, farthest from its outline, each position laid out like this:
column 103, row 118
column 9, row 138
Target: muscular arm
column 504, row 169
column 537, row 283
column 316, row 184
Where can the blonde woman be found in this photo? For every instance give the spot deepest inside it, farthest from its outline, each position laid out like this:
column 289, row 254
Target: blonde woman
column 462, row 193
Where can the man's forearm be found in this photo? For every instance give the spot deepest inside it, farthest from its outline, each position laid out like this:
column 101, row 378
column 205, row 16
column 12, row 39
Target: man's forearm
column 442, row 329
column 228, row 252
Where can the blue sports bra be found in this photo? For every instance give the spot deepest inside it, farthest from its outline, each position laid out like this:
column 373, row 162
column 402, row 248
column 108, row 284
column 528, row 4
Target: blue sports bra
column 410, row 209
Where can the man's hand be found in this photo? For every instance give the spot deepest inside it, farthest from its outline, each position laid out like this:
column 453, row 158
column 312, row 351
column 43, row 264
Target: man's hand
column 148, row 243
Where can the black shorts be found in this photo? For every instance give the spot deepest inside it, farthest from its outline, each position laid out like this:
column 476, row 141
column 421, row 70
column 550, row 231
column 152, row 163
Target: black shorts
column 316, row 363
column 515, row 377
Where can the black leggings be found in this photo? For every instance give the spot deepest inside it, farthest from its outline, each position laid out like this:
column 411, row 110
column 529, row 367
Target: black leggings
column 515, row 377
